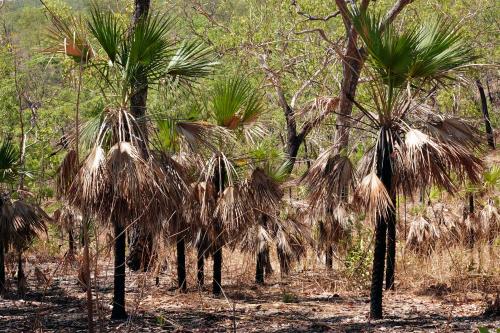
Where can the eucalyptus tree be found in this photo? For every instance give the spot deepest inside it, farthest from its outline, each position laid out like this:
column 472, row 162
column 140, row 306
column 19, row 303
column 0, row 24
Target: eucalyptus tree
column 413, row 146
column 120, row 181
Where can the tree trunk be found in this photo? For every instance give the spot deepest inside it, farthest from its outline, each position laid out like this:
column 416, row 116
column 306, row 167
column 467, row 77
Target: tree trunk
column 329, row 257
column 268, row 268
column 391, row 250
column 384, row 172
column 200, row 274
column 21, row 278
column 217, row 276
column 181, row 264
column 71, row 243
column 2, row 267
column 259, row 268
column 284, row 264
column 118, row 312
column 140, row 242
column 486, row 116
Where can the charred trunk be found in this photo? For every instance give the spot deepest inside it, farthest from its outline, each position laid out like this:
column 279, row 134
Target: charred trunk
column 181, row 264
column 140, row 242
column 268, row 268
column 21, row 278
column 200, row 274
column 384, row 172
column 217, row 276
column 259, row 268
column 2, row 267
column 71, row 243
column 118, row 312
column 391, row 249
column 329, row 257
column 486, row 116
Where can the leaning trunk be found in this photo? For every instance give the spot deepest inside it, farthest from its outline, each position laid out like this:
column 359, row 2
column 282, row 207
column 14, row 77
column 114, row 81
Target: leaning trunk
column 118, row 312
column 384, row 172
column 181, row 264
column 2, row 267
column 391, row 249
column 217, row 276
column 259, row 268
column 486, row 116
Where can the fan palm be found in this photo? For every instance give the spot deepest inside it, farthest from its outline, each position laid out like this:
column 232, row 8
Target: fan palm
column 120, row 180
column 413, row 147
column 19, row 221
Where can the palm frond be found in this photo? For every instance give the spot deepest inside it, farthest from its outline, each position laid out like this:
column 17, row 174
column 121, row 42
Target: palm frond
column 9, row 157
column 373, row 195
column 108, row 31
column 190, row 61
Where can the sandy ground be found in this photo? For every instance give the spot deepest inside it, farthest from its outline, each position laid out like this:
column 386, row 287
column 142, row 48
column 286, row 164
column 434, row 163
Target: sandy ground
column 307, row 301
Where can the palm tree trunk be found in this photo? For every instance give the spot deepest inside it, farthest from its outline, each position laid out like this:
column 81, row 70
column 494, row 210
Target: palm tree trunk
column 2, row 267
column 283, row 260
column 181, row 264
column 71, row 243
column 391, row 250
column 259, row 268
column 384, row 172
column 200, row 274
column 21, row 278
column 486, row 116
column 329, row 257
column 118, row 312
column 268, row 268
column 140, row 243
column 217, row 276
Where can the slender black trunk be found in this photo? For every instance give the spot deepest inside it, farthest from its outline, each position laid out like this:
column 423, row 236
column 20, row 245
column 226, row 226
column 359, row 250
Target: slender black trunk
column 181, row 264
column 140, row 242
column 217, row 277
column 384, row 172
column 200, row 274
column 118, row 312
column 391, row 249
column 21, row 278
column 486, row 116
column 329, row 257
column 71, row 243
column 2, row 267
column 283, row 260
column 259, row 268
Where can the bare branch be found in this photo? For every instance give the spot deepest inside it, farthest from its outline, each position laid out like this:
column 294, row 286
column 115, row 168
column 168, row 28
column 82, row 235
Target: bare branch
column 312, row 17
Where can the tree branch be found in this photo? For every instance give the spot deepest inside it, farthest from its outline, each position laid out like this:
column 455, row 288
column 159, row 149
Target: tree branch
column 312, row 17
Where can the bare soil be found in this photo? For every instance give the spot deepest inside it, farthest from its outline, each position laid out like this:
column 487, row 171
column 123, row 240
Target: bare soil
column 306, row 301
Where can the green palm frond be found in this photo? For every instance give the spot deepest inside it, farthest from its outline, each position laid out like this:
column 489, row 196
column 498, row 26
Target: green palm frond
column 9, row 157
column 108, row 31
column 236, row 103
column 191, row 60
column 427, row 53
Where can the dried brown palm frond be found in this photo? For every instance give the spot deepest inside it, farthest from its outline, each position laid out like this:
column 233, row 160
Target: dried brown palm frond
column 66, row 173
column 67, row 217
column 329, row 179
column 422, row 236
column 373, row 196
column 20, row 223
column 489, row 222
column 453, row 130
column 291, row 237
column 205, row 134
column 255, row 239
column 263, row 192
column 234, row 209
column 330, row 228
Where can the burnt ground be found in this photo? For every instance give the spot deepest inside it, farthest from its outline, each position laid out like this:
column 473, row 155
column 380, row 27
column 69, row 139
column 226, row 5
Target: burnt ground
column 306, row 302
